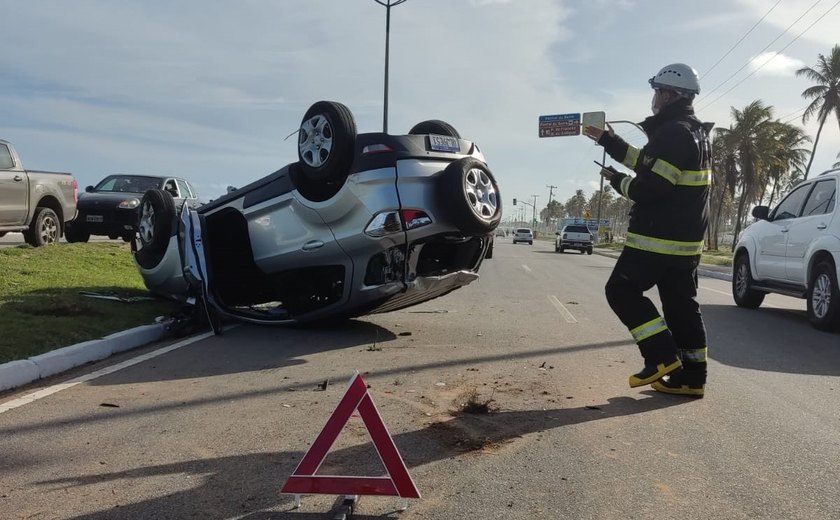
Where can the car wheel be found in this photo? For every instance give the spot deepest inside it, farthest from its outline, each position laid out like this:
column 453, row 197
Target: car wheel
column 154, row 227
column 530, row 242
column 434, row 126
column 824, row 297
column 556, row 248
column 2, row 234
column 562, row 249
column 489, row 253
column 589, row 251
column 470, row 196
column 76, row 233
column 742, row 283
column 326, row 142
column 44, row 228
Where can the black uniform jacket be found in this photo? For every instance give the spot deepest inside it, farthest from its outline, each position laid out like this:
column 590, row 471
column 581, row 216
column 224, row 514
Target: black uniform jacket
column 671, row 186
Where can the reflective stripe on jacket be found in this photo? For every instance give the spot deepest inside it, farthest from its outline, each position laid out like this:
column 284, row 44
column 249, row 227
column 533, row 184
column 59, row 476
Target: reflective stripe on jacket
column 671, row 186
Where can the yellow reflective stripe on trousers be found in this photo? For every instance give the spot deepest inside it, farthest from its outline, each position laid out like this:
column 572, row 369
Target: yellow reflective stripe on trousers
column 696, row 355
column 695, row 178
column 651, row 328
column 666, row 170
column 631, row 157
column 662, row 246
column 625, row 186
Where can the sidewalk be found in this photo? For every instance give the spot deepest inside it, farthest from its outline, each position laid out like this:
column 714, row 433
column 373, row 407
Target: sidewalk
column 721, row 272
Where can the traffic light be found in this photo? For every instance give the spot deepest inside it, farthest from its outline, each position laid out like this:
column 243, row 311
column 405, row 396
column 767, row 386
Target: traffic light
column 514, row 202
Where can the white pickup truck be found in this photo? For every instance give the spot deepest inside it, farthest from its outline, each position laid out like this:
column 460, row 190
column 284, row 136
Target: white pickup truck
column 36, row 203
column 573, row 236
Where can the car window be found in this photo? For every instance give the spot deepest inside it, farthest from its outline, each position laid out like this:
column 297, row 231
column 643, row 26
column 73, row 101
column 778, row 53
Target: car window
column 576, row 229
column 6, row 162
column 523, row 230
column 127, row 184
column 790, row 206
column 821, row 200
column 172, row 188
column 185, row 189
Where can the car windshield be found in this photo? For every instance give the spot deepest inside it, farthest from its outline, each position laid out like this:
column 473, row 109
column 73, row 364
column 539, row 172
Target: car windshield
column 128, row 184
column 576, row 229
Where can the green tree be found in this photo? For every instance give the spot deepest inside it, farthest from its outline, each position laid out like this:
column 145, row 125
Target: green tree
column 825, row 94
column 553, row 211
column 576, row 204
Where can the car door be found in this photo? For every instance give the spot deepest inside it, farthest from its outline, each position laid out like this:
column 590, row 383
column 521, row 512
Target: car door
column 187, row 193
column 808, row 228
column 772, row 243
column 13, row 191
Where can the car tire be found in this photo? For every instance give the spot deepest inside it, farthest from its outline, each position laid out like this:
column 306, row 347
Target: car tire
column 155, row 221
column 742, row 285
column 562, row 249
column 434, row 126
column 556, row 248
column 44, row 228
column 588, row 250
column 2, row 234
column 76, row 233
column 326, row 142
column 470, row 196
column 823, row 297
column 489, row 254
column 530, row 242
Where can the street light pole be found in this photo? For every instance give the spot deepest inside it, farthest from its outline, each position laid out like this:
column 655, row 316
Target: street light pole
column 388, row 4
column 534, row 215
column 550, row 193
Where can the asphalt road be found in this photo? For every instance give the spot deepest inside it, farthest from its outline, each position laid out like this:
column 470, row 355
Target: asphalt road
column 213, row 429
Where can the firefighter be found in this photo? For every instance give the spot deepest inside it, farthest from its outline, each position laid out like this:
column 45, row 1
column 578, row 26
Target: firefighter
column 668, row 220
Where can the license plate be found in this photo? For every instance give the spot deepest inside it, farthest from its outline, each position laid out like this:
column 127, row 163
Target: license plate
column 444, row 143
column 94, row 218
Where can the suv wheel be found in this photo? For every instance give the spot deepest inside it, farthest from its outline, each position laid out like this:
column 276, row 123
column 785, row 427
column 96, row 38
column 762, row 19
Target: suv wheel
column 742, row 283
column 471, row 196
column 824, row 297
column 434, row 126
column 326, row 142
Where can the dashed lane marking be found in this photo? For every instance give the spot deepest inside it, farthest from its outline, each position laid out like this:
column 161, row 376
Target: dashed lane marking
column 568, row 316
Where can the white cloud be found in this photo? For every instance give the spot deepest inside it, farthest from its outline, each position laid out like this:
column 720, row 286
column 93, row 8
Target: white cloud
column 775, row 64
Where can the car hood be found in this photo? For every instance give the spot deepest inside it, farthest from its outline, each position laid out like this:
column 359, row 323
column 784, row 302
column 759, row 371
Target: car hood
column 94, row 199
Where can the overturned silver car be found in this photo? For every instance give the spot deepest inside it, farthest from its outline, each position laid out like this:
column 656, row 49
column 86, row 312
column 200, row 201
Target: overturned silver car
column 360, row 224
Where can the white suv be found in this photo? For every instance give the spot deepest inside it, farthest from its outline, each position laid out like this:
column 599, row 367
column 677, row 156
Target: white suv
column 794, row 250
column 523, row 235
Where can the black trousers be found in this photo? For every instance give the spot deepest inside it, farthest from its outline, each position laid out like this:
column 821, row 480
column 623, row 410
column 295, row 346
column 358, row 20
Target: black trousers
column 675, row 277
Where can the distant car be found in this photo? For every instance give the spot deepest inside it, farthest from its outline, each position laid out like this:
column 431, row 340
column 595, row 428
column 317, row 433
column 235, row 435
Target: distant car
column 574, row 237
column 523, row 235
column 360, row 224
column 112, row 207
column 794, row 250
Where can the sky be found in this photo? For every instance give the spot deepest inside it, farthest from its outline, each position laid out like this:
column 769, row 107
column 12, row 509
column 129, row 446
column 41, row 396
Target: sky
column 210, row 89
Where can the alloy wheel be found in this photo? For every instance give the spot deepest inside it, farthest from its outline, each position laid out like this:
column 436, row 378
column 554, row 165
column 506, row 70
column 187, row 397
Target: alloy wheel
column 821, row 296
column 481, row 193
column 147, row 223
column 316, row 141
column 49, row 230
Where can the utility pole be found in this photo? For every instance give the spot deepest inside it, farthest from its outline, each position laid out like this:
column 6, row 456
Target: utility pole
column 388, row 4
column 550, row 193
column 534, row 217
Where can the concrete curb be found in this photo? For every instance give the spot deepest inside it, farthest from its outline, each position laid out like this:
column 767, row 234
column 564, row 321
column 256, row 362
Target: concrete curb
column 18, row 373
column 708, row 271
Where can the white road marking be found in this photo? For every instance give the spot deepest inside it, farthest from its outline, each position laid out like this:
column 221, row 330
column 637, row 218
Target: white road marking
column 730, row 294
column 562, row 309
column 526, row 268
column 40, row 394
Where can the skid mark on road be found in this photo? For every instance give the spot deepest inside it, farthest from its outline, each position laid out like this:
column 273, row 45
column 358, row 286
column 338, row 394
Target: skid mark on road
column 45, row 392
column 568, row 316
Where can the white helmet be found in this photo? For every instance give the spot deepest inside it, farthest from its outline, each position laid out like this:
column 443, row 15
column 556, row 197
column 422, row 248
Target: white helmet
column 678, row 77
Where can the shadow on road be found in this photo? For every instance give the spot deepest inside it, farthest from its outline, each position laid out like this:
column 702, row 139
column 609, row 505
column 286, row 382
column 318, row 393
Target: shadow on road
column 247, row 486
column 772, row 340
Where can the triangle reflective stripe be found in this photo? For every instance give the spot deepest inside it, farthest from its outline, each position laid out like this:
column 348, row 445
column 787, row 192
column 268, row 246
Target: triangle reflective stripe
column 398, row 482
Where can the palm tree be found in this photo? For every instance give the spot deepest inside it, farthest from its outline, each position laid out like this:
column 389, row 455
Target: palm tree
column 825, row 94
column 724, row 180
column 787, row 157
column 749, row 137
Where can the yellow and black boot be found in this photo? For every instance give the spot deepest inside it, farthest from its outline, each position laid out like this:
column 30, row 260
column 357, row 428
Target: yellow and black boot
column 691, row 380
column 660, row 360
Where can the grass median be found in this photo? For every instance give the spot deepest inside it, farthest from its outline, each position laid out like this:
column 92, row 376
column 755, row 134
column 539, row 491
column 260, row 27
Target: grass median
column 708, row 257
column 41, row 307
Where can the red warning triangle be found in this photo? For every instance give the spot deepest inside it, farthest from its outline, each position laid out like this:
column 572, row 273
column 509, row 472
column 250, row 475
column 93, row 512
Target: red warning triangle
column 397, row 482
